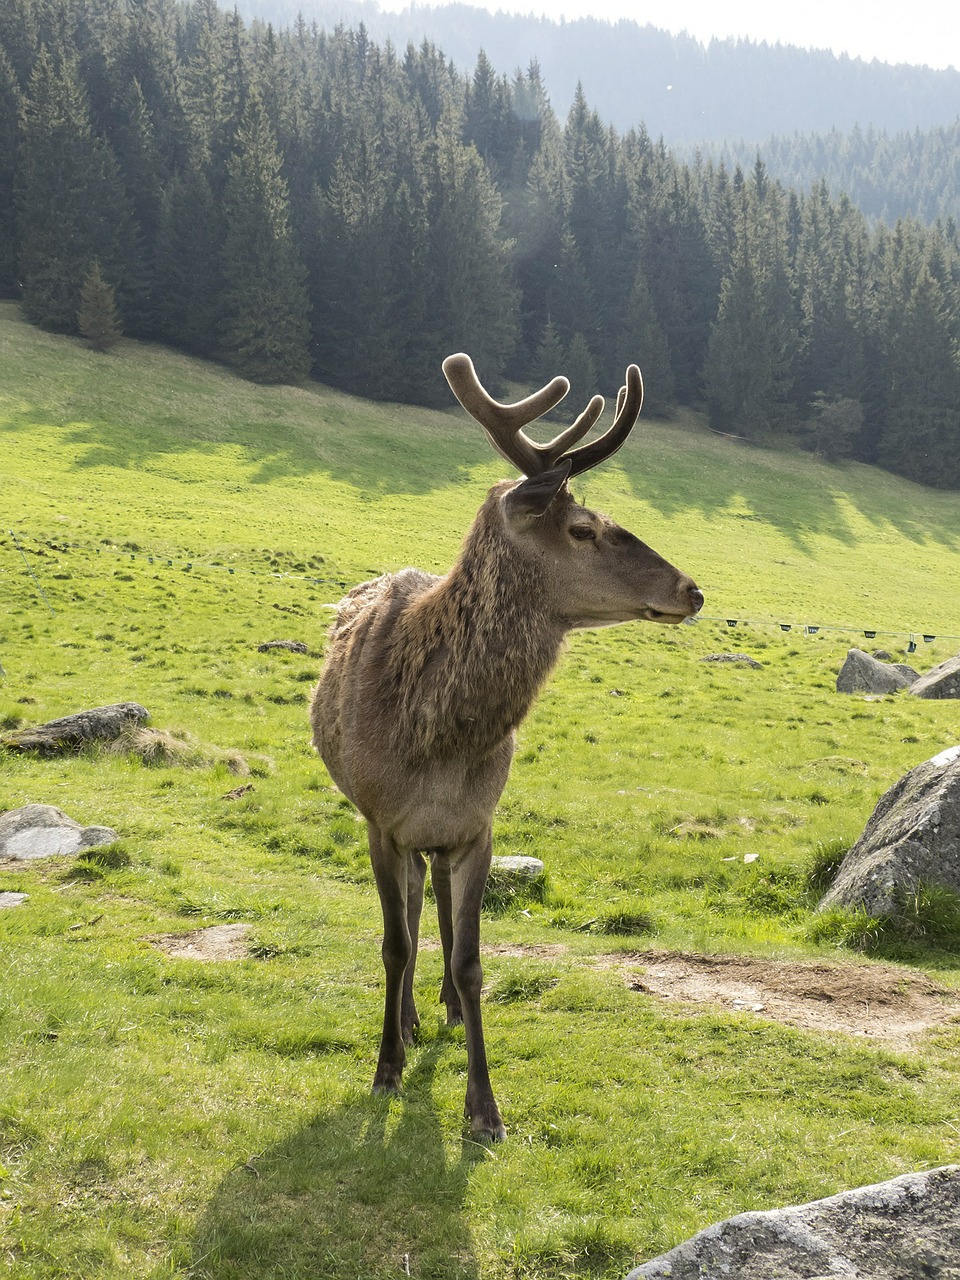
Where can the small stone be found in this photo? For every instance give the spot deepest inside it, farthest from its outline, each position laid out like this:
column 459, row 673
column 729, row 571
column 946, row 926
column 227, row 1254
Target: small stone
column 71, row 733
column 12, row 899
column 742, row 658
column 523, row 868
column 44, row 831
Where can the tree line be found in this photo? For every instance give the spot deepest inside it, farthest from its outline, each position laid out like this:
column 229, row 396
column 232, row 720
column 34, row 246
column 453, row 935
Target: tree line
column 686, row 90
column 303, row 201
column 887, row 175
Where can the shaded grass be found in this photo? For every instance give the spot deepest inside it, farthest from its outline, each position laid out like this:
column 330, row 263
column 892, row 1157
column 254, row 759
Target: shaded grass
column 167, row 1118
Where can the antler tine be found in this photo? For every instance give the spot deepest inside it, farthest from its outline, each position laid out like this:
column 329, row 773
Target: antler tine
column 504, row 423
column 629, row 403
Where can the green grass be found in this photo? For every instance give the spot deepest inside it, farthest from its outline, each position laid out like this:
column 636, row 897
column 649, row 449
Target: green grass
column 166, row 1118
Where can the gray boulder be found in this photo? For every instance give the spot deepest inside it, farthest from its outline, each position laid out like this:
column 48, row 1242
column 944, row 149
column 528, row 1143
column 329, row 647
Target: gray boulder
column 70, row 733
column 12, row 900
column 291, row 646
column 43, row 831
column 908, row 1227
column 911, row 839
column 862, row 673
column 942, row 682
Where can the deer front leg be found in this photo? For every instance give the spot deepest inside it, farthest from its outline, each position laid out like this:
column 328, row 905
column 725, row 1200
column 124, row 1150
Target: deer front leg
column 440, row 877
column 390, row 868
column 416, row 875
column 469, row 869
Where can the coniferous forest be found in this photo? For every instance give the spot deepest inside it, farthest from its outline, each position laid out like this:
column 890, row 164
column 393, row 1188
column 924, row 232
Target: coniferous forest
column 306, row 202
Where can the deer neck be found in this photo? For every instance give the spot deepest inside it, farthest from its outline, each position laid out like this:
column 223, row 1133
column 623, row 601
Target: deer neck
column 472, row 652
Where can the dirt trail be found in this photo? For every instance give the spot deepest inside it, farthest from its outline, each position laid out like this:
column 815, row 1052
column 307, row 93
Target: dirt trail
column 891, row 1005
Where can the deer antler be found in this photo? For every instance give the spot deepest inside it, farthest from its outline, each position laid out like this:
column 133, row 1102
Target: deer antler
column 504, row 423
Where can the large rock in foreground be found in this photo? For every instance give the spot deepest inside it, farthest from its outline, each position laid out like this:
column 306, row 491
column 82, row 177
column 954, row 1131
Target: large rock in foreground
column 70, row 733
column 912, row 839
column 909, row 1227
column 862, row 673
column 942, row 682
column 43, row 831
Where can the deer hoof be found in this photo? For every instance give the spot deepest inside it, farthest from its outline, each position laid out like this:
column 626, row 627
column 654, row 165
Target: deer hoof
column 411, row 1033
column 387, row 1080
column 488, row 1135
column 487, row 1128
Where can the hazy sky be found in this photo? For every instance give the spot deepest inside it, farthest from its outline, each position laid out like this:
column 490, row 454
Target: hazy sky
column 920, row 32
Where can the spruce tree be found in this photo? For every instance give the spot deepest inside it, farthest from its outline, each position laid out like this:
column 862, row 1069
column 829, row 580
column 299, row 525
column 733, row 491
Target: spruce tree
column 53, row 199
column 188, row 269
column 97, row 319
column 71, row 206
column 641, row 341
column 10, row 98
column 265, row 325
column 551, row 356
column 581, row 369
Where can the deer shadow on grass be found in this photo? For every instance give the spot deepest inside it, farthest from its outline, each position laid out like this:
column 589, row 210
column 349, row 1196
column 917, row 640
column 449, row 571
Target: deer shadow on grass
column 359, row 1191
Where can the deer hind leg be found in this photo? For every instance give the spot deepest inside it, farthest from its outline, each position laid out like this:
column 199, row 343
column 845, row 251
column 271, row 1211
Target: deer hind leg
column 469, row 869
column 416, row 875
column 440, row 877
column 390, row 868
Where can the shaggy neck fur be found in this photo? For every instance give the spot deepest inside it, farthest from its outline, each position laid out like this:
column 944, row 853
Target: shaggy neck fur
column 470, row 654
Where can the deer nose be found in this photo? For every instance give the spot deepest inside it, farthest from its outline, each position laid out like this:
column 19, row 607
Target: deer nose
column 696, row 598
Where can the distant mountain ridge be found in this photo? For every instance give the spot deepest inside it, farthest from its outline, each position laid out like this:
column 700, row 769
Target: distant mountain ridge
column 672, row 85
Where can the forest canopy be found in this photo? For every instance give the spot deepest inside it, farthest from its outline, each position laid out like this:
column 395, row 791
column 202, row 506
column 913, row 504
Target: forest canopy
column 303, row 201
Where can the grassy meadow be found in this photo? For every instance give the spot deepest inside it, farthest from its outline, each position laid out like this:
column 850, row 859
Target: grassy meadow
column 164, row 1117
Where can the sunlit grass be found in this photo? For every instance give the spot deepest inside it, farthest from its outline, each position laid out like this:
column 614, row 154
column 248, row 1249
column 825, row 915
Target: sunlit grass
column 166, row 1118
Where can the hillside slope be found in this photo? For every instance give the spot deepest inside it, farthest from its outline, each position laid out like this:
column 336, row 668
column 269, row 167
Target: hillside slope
column 178, row 454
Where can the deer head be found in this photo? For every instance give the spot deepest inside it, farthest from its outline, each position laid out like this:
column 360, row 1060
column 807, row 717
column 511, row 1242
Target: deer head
column 596, row 573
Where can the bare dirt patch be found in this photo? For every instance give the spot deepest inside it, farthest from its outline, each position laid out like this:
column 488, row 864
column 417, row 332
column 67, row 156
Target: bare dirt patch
column 880, row 1002
column 219, row 942
column 520, row 950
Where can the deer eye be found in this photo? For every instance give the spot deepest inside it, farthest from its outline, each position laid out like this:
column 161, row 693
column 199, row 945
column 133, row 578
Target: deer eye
column 583, row 532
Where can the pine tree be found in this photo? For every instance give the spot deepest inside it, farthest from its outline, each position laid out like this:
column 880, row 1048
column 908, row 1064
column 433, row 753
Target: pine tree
column 188, row 269
column 643, row 342
column 56, row 150
column 581, row 369
column 920, row 435
column 70, row 202
column 736, row 376
column 97, row 319
column 835, row 425
column 551, row 356
column 265, row 325
column 10, row 99
column 474, row 302
column 350, row 274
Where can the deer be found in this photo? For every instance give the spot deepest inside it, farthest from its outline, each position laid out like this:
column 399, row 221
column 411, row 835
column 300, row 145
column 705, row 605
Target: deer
column 426, row 679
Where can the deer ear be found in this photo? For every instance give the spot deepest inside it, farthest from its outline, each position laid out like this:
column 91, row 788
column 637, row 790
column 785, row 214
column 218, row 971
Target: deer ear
column 530, row 498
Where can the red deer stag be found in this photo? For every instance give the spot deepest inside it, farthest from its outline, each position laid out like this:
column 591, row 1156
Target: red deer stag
column 427, row 678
